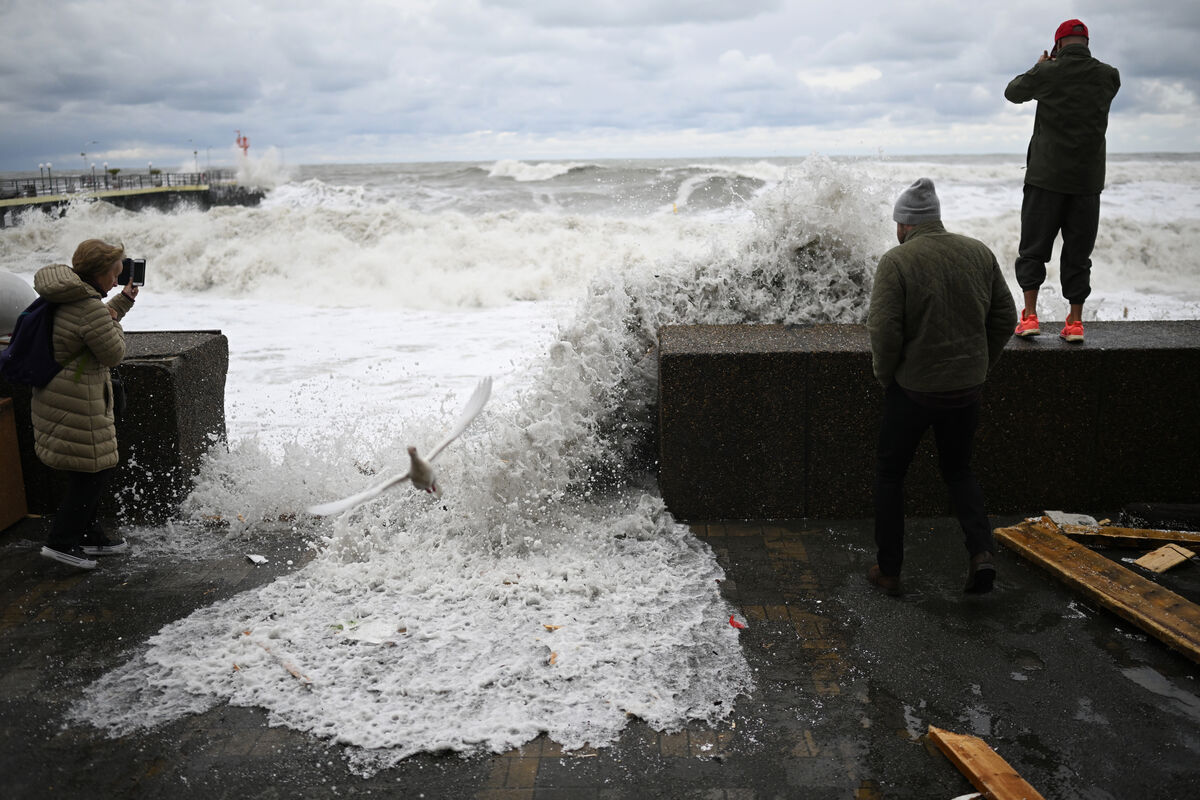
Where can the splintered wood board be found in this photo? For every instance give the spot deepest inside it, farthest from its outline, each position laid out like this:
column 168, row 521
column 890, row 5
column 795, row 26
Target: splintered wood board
column 1165, row 557
column 984, row 768
column 1159, row 612
column 1112, row 536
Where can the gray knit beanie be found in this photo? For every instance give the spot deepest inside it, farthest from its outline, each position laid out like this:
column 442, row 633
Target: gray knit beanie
column 918, row 203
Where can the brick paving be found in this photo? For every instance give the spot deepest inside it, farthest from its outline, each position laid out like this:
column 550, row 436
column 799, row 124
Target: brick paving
column 847, row 682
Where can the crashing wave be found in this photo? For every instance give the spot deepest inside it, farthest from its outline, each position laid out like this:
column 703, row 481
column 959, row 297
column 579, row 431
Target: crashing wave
column 522, row 172
column 550, row 591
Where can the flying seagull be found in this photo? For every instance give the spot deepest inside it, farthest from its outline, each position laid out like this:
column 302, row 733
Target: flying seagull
column 420, row 472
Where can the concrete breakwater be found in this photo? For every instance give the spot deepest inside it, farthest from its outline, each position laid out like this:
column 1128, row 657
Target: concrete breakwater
column 162, row 198
column 762, row 422
column 774, row 422
column 175, row 389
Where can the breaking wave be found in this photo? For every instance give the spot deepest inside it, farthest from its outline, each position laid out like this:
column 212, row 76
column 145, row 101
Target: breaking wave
column 520, row 171
column 549, row 590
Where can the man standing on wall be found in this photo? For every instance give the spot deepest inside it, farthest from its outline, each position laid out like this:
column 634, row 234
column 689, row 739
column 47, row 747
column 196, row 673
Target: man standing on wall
column 1064, row 170
column 940, row 316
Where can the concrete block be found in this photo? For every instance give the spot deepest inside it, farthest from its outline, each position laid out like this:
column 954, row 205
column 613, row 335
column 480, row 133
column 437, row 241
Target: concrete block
column 777, row 421
column 733, row 426
column 175, row 385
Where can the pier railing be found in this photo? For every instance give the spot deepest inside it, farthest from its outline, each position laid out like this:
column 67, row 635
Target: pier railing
column 52, row 185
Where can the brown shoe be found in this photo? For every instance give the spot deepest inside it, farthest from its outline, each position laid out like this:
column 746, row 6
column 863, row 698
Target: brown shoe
column 981, row 574
column 889, row 584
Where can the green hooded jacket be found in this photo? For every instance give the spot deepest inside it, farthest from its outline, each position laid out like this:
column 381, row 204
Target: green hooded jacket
column 940, row 313
column 1074, row 92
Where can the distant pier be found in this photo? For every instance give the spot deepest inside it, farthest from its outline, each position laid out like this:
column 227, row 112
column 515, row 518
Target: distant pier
column 162, row 191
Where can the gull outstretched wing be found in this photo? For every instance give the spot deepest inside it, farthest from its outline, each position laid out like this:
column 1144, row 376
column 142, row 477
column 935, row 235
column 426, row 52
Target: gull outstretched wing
column 346, row 503
column 478, row 400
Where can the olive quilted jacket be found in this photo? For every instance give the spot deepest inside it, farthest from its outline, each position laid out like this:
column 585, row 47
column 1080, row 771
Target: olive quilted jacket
column 940, row 312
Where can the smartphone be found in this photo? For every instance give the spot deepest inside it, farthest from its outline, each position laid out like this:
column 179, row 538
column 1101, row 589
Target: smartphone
column 133, row 271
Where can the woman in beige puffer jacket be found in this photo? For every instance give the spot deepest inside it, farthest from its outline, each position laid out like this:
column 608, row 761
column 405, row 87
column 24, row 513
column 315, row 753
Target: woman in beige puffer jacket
column 73, row 424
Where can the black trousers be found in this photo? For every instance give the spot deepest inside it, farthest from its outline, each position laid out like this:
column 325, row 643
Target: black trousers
column 904, row 424
column 1043, row 215
column 76, row 517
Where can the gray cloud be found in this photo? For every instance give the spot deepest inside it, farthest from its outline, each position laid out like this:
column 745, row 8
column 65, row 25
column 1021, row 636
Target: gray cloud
column 646, row 13
column 470, row 78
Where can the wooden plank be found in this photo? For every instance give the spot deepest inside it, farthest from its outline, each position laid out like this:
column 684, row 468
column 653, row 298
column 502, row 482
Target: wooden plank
column 984, row 768
column 1165, row 557
column 1159, row 612
column 1141, row 538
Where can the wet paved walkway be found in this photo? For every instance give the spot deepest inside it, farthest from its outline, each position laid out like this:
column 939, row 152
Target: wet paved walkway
column 848, row 681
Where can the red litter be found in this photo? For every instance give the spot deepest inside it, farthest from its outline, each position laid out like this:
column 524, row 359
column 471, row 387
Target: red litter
column 735, row 623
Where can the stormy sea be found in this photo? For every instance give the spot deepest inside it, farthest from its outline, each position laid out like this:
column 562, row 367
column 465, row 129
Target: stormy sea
column 548, row 589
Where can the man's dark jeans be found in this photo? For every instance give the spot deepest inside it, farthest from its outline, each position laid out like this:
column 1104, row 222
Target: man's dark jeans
column 904, row 423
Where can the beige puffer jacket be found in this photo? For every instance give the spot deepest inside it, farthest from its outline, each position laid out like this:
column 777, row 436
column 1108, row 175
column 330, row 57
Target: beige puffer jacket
column 73, row 414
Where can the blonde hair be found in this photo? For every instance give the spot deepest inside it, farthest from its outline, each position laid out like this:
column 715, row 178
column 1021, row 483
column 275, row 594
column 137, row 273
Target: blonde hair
column 94, row 257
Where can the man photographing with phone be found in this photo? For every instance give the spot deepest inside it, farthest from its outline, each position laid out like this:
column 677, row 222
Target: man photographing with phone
column 1064, row 170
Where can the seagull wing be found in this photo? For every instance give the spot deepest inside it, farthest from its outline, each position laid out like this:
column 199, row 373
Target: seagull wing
column 482, row 392
column 347, row 503
column 478, row 400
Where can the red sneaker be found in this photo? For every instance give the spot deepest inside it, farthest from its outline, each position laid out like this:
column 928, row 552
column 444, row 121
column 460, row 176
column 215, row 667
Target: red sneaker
column 1072, row 332
column 1028, row 326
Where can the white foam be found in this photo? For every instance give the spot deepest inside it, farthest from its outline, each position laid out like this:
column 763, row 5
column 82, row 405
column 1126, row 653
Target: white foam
column 522, row 172
column 368, row 244
column 545, row 522
column 264, row 171
column 347, row 253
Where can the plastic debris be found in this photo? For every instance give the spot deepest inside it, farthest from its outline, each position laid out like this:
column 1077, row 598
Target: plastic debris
column 289, row 666
column 380, row 631
column 1064, row 518
column 735, row 623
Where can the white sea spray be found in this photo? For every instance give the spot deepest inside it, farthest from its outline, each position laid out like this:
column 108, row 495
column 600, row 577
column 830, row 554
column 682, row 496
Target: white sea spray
column 549, row 590
column 265, row 171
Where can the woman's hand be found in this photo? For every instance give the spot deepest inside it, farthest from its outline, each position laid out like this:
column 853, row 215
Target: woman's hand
column 130, row 291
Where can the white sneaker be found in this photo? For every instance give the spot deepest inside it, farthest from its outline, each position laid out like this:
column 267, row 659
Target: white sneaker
column 107, row 547
column 74, row 557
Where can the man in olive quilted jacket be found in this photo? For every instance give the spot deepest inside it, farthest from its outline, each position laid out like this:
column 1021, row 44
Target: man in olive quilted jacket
column 940, row 316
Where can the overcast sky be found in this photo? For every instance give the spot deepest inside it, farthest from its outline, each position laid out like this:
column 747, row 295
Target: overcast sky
column 134, row 81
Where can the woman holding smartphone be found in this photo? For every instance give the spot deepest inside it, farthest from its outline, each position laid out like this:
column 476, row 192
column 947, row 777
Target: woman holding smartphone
column 73, row 415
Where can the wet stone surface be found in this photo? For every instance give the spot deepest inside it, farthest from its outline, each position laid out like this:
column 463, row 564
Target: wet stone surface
column 848, row 680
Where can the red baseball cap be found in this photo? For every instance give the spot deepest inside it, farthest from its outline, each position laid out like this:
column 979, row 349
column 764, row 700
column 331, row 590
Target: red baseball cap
column 1071, row 27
